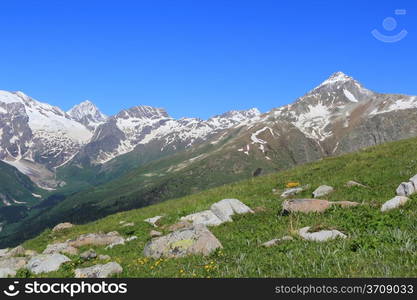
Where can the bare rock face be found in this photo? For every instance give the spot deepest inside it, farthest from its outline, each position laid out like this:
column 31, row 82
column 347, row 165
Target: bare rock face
column 322, row 191
column 320, row 236
column 45, row 263
column 62, row 226
column 99, row 271
column 195, row 240
column 96, row 239
column 394, row 203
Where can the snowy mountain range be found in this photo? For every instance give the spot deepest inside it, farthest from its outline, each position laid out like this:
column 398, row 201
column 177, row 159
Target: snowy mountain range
column 339, row 115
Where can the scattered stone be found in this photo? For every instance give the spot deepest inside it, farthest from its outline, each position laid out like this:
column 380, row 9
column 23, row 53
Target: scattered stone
column 60, row 248
column 305, row 205
column 131, row 238
column 322, row 191
column 97, row 239
column 226, row 208
column 351, row 183
column 117, row 243
column 103, row 257
column 277, row 241
column 405, row 189
column 99, row 271
column 320, row 236
column 89, row 254
column 153, row 221
column 62, row 226
column 155, row 233
column 128, row 224
column 195, row 240
column 180, row 225
column 205, row 217
column 45, row 263
column 395, row 202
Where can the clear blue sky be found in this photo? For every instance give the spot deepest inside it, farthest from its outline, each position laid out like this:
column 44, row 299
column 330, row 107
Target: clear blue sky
column 199, row 58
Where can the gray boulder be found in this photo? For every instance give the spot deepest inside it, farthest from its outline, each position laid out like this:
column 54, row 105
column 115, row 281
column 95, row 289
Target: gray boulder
column 405, row 189
column 291, row 192
column 413, row 180
column 195, row 240
column 205, row 217
column 226, row 208
column 394, row 203
column 99, row 271
column 320, row 236
column 322, row 191
column 45, row 263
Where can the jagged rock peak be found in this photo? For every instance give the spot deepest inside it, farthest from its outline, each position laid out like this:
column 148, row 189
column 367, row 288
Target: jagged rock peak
column 143, row 112
column 87, row 109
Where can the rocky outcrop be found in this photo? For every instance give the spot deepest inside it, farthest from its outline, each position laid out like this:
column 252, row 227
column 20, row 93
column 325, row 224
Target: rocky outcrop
column 97, row 239
column 60, row 248
column 99, row 271
column 320, row 236
column 195, row 240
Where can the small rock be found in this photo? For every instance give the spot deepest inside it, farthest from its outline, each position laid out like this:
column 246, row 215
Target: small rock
column 305, row 205
column 153, row 221
column 351, row 183
column 291, row 192
column 45, row 263
column 322, row 191
column 180, row 225
column 128, row 224
column 394, row 203
column 155, row 233
column 97, row 239
column 195, row 240
column 320, row 236
column 99, row 271
column 205, row 217
column 89, row 254
column 62, row 226
column 103, row 257
column 405, row 189
column 131, row 238
column 60, row 248
column 277, row 241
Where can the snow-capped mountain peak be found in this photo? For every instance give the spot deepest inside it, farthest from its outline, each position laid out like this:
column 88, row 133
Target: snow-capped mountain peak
column 88, row 114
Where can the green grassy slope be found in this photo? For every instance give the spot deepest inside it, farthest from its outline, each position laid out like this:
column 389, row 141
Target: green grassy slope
column 378, row 244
